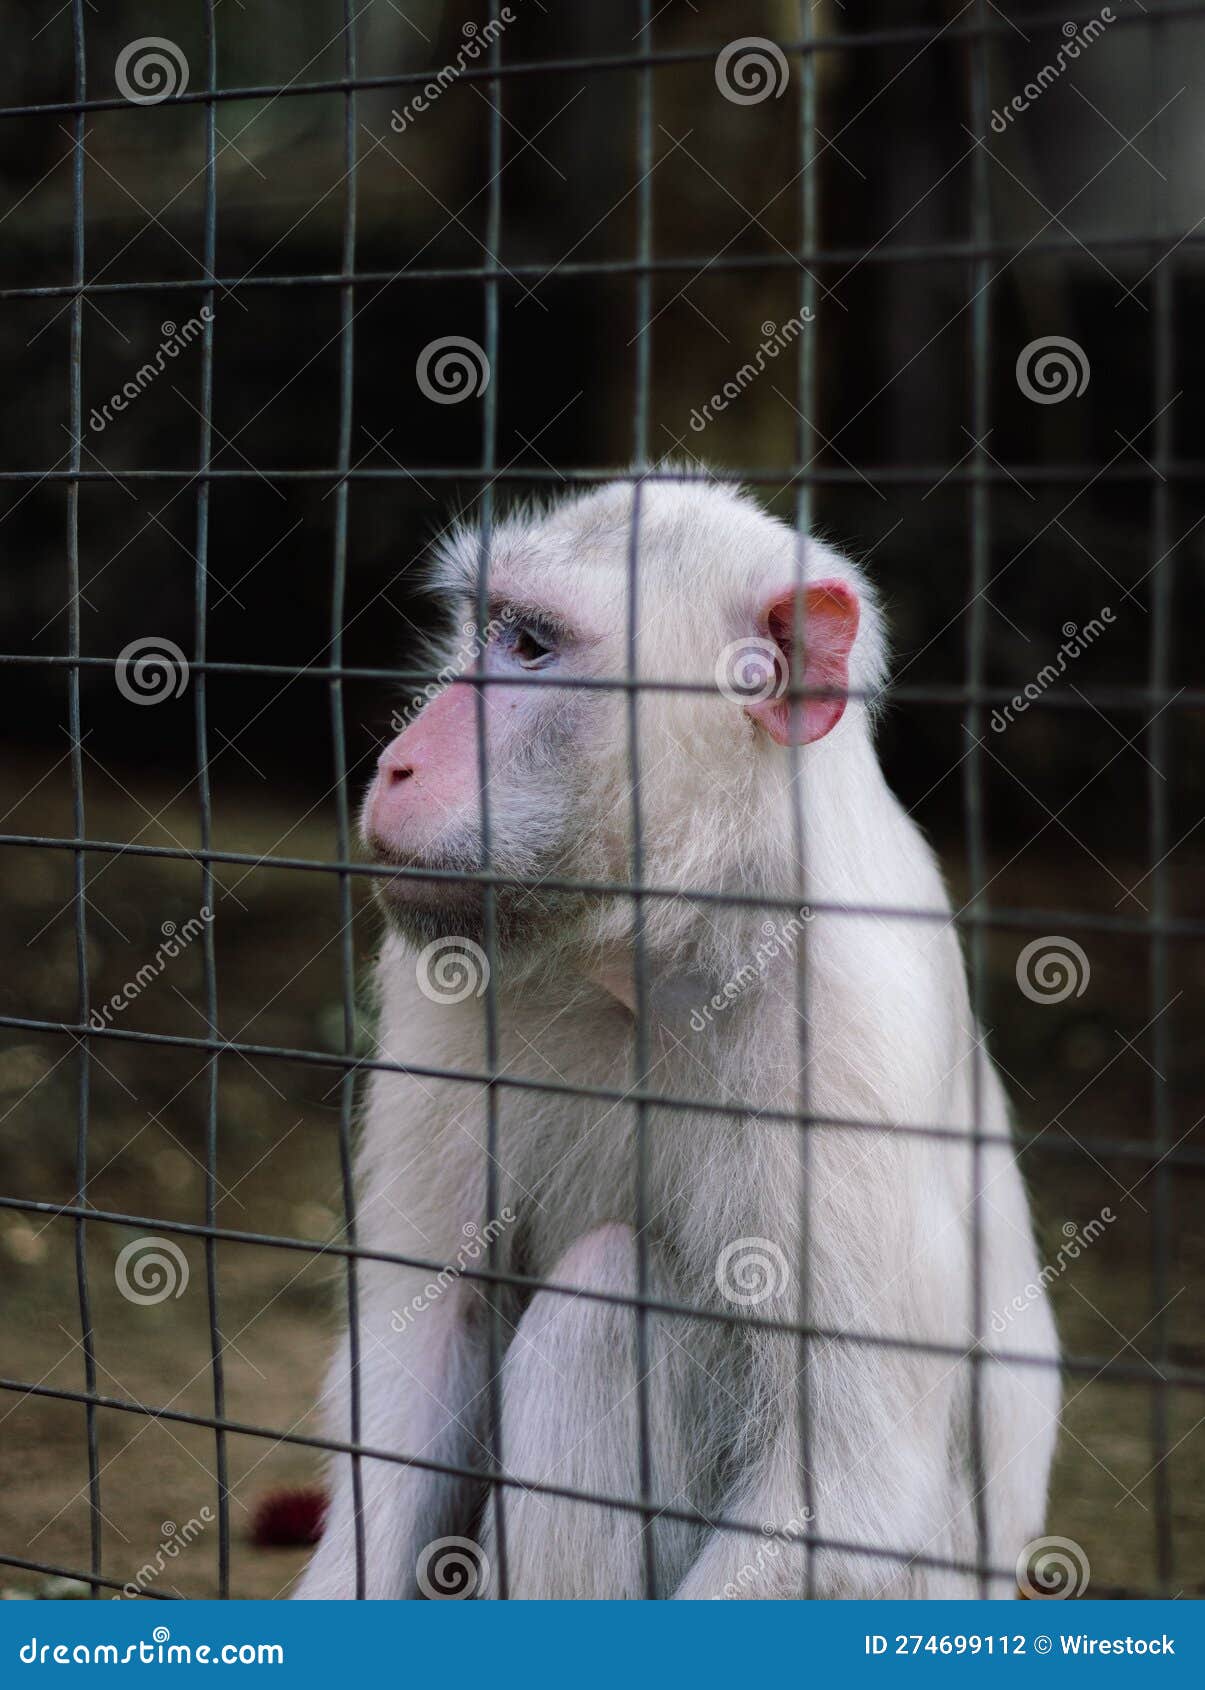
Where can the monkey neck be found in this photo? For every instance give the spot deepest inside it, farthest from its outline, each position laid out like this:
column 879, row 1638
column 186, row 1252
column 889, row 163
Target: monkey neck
column 682, row 998
column 826, row 837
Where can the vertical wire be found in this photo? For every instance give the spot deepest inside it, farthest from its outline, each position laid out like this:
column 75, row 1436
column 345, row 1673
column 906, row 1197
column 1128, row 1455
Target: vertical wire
column 644, row 342
column 806, row 389
column 1157, row 789
column 79, row 857
column 976, row 647
column 205, row 795
column 347, row 1088
column 489, row 905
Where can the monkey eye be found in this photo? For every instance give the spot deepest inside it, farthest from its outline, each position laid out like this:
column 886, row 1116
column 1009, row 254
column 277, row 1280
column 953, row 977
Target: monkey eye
column 531, row 651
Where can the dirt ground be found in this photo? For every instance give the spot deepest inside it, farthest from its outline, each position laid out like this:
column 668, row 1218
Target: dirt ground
column 280, row 984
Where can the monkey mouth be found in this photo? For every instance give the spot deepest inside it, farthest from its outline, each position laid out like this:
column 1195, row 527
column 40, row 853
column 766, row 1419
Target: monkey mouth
column 448, row 862
column 437, row 892
column 427, row 883
column 386, row 852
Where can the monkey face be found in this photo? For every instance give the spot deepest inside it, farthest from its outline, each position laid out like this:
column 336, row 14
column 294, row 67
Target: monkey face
column 428, row 813
column 531, row 775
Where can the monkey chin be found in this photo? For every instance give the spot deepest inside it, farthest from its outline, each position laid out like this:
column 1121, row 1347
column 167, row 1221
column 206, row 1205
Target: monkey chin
column 422, row 907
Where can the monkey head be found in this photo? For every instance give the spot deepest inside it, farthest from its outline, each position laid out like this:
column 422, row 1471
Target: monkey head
column 529, row 775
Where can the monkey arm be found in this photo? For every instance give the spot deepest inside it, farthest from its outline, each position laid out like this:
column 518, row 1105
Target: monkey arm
column 421, row 1391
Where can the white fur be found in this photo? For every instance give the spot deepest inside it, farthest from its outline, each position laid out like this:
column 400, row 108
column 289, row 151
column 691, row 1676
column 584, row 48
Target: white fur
column 889, row 1038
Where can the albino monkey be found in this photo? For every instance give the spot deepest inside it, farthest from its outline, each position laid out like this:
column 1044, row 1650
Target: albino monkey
column 889, row 1041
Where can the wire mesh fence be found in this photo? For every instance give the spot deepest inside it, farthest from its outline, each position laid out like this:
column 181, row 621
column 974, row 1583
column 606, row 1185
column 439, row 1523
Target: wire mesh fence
column 857, row 341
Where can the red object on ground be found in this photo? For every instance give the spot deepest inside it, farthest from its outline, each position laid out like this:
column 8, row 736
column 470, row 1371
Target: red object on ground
column 285, row 1518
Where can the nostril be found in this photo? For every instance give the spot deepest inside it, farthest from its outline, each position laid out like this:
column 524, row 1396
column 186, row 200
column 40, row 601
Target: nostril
column 395, row 776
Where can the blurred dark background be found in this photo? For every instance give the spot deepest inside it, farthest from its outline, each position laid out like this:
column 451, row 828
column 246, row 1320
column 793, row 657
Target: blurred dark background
column 1083, row 217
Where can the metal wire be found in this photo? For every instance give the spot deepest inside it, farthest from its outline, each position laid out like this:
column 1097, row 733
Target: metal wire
column 205, row 803
column 979, row 329
column 919, row 475
column 1160, row 846
column 347, row 1090
column 1046, row 1141
column 835, row 42
column 1160, row 1154
column 832, row 257
column 77, row 791
column 496, row 1498
column 805, row 452
column 538, row 1486
column 642, row 1043
column 1091, row 1366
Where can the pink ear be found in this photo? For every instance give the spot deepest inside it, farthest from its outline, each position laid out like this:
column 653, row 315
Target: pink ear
column 829, row 618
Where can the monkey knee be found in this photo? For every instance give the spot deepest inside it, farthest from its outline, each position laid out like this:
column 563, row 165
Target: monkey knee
column 601, row 1260
column 558, row 1325
column 570, row 1418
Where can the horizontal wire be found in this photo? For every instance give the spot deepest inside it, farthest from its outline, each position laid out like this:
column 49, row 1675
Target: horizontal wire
column 1094, row 1366
column 81, row 1577
column 1139, row 696
column 900, row 475
column 902, row 35
column 732, row 1107
column 1001, row 916
column 935, row 252
column 539, row 1487
column 1061, row 1144
column 1118, row 1592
